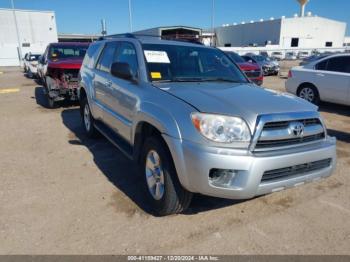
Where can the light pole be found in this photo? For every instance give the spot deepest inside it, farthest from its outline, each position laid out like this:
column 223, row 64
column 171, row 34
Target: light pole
column 212, row 22
column 17, row 33
column 130, row 16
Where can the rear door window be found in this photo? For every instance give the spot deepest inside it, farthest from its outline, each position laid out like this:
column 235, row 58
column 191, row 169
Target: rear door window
column 106, row 58
column 322, row 65
column 90, row 57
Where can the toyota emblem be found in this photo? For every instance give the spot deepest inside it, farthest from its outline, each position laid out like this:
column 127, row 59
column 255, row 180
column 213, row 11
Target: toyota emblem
column 297, row 129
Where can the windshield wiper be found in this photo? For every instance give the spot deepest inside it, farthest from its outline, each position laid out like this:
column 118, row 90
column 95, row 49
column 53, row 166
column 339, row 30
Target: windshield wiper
column 187, row 79
column 199, row 79
column 221, row 79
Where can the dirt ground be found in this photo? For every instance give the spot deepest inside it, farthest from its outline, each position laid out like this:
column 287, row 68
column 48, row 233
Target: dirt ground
column 62, row 193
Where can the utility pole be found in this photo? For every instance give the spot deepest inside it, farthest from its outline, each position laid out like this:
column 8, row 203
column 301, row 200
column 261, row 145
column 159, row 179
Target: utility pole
column 212, row 22
column 103, row 27
column 130, row 17
column 17, row 33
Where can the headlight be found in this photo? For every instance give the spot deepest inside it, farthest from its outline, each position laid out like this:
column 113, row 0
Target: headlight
column 222, row 129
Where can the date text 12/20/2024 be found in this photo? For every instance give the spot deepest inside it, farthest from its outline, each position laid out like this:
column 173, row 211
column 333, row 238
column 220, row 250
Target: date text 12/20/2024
column 173, row 258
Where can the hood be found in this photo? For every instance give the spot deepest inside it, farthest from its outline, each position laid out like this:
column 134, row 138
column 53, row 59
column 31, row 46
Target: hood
column 248, row 66
column 66, row 63
column 245, row 100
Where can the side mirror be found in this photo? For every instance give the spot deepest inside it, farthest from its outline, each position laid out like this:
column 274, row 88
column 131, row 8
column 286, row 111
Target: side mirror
column 122, row 70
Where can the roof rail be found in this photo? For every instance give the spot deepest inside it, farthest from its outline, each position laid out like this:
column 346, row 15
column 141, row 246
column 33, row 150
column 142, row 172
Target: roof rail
column 128, row 35
column 165, row 37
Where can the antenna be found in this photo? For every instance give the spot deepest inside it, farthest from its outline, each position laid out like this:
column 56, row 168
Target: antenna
column 302, row 6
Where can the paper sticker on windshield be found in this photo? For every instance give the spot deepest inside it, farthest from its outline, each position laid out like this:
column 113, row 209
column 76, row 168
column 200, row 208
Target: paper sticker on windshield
column 157, row 57
column 156, row 75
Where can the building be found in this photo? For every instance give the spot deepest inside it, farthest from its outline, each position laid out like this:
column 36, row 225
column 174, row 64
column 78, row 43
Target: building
column 36, row 29
column 347, row 41
column 177, row 32
column 307, row 32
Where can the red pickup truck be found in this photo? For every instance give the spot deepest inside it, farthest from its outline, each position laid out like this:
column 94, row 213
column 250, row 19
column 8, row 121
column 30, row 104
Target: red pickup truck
column 252, row 71
column 58, row 70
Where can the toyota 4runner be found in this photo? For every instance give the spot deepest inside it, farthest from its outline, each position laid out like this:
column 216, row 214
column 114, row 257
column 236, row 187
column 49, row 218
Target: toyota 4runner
column 193, row 123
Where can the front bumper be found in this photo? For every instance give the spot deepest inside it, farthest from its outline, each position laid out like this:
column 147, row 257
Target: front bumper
column 193, row 164
column 271, row 70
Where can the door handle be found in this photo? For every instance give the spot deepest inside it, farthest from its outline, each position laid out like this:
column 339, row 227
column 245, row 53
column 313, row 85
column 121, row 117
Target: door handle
column 319, row 74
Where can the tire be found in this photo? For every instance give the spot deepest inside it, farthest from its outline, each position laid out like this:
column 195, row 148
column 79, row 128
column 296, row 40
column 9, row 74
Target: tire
column 30, row 74
column 309, row 93
column 171, row 197
column 51, row 103
column 87, row 119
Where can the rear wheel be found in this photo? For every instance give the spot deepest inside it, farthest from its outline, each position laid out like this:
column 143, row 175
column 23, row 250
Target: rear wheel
column 309, row 93
column 163, row 188
column 87, row 119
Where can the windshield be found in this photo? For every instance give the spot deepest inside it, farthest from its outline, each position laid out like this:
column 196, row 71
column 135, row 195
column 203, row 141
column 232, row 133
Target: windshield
column 190, row 63
column 261, row 58
column 235, row 57
column 67, row 51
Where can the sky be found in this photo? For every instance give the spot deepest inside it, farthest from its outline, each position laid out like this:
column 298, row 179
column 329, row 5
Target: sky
column 84, row 16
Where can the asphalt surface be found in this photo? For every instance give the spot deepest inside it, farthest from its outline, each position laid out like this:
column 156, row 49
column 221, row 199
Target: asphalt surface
column 62, row 193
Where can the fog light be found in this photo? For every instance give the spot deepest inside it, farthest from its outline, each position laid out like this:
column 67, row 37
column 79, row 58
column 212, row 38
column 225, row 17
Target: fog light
column 222, row 177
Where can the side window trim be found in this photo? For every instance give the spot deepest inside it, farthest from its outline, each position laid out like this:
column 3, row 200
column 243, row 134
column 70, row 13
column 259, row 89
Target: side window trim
column 100, row 56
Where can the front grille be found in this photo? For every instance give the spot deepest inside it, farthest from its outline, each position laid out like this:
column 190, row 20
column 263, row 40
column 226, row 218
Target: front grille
column 296, row 170
column 278, row 134
column 284, row 124
column 252, row 74
column 287, row 142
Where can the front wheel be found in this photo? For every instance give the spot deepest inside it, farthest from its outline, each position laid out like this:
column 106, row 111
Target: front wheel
column 51, row 103
column 309, row 93
column 163, row 188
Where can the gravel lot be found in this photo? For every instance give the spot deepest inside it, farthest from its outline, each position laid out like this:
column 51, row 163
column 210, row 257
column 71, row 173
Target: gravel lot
column 61, row 193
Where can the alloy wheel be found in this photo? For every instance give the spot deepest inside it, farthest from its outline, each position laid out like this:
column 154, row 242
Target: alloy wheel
column 154, row 175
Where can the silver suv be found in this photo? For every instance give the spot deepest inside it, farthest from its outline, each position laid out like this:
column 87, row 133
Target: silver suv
column 193, row 122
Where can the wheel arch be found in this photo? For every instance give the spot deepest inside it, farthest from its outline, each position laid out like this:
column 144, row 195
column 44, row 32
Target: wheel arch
column 305, row 84
column 145, row 129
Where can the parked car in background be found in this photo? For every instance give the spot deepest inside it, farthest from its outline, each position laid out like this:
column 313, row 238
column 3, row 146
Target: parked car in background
column 327, row 79
column 59, row 68
column 312, row 58
column 268, row 66
column 303, row 54
column 252, row 71
column 264, row 53
column 277, row 55
column 30, row 64
column 290, row 56
column 193, row 123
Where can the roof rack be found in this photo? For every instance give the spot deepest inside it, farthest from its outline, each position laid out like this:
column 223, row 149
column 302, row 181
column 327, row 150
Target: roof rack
column 165, row 37
column 126, row 35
